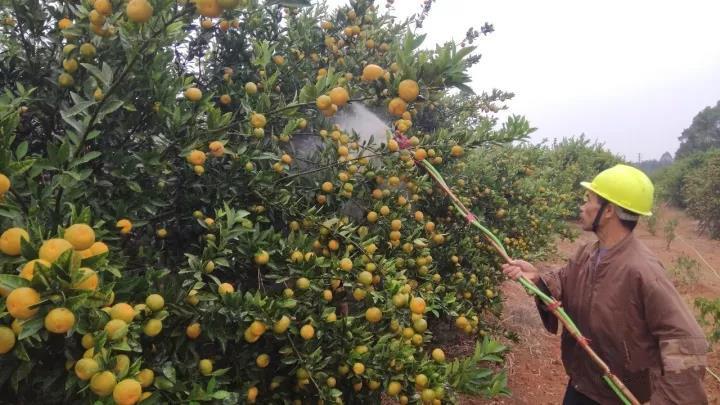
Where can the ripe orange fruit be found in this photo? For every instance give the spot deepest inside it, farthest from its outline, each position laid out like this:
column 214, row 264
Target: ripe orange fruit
column 225, row 288
column 420, row 154
column 408, row 90
column 417, row 305
column 28, row 269
column 373, row 314
column 208, row 8
column 81, row 236
column 262, row 257
column 252, row 394
column 116, row 329
column 193, row 94
column 346, row 264
column 438, row 355
column 372, row 72
column 145, row 377
column 257, row 120
column 10, row 241
column 262, row 360
column 122, row 310
column 4, row 184
column 281, row 325
column 103, row 7
column 87, row 280
column 87, row 50
column 59, row 320
column 86, row 368
column 225, row 99
column 103, row 383
column 397, row 106
column 193, row 330
column 64, row 23
column 251, row 88
column 323, row 102
column 52, row 249
column 155, row 302
column 358, row 368
column 124, row 225
column 7, row 339
column 196, row 157
column 153, row 327
column 339, row 96
column 19, row 301
column 394, row 388
column 307, row 332
column 456, row 151
column 139, row 11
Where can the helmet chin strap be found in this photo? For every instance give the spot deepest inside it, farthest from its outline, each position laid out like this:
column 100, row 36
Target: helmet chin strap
column 596, row 222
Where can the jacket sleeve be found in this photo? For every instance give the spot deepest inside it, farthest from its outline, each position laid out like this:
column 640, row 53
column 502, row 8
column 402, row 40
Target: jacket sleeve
column 551, row 283
column 681, row 341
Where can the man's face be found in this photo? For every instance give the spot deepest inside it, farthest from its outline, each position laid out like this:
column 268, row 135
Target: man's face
column 588, row 210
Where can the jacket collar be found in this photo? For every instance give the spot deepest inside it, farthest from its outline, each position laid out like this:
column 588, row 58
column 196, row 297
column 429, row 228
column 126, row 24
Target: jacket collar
column 616, row 250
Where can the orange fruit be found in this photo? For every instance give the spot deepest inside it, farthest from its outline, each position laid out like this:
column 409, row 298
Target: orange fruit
column 281, row 325
column 7, row 339
column 438, row 355
column 196, row 157
column 103, row 383
column 193, row 94
column 103, row 7
column 225, row 288
column 408, row 90
column 145, row 377
column 397, row 106
column 257, row 120
column 81, row 236
column 251, row 88
column 19, row 301
column 193, row 330
column 208, row 8
column 394, row 388
column 346, row 264
column 372, row 72
column 124, row 225
column 323, row 102
column 155, row 302
column 88, row 279
column 358, row 368
column 123, row 311
column 28, row 269
column 339, row 96
column 456, row 151
column 4, row 184
column 307, row 332
column 139, row 11
column 64, row 23
column 52, row 249
column 86, row 368
column 205, row 366
column 420, row 154
column 417, row 305
column 262, row 360
column 59, row 320
column 116, row 329
column 262, row 257
column 373, row 314
column 10, row 241
column 152, row 327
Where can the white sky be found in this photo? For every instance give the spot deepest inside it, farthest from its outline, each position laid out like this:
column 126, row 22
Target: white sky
column 629, row 73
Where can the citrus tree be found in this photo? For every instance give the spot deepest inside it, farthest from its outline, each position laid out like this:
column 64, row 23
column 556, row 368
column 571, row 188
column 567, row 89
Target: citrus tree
column 184, row 219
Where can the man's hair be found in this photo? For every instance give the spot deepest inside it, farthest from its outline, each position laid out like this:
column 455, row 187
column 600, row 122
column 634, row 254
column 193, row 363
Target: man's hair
column 627, row 218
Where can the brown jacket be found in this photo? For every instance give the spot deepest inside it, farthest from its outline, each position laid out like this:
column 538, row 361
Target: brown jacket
column 635, row 321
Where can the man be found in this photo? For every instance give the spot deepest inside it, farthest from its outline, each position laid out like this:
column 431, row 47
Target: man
column 620, row 298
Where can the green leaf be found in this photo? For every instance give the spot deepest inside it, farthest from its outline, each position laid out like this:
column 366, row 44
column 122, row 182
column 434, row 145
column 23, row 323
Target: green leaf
column 85, row 158
column 104, row 75
column 77, row 109
column 11, row 282
column 289, row 3
column 30, row 327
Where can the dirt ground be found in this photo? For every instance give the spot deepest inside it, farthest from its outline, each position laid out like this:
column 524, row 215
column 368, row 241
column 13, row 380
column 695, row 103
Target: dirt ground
column 535, row 373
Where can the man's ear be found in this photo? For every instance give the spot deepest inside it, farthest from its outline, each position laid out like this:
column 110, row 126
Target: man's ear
column 610, row 211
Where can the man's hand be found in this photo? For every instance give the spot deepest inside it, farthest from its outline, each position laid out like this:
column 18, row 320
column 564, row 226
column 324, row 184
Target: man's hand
column 518, row 268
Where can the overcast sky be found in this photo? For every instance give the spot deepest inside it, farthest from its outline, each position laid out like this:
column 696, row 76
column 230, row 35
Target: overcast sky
column 629, row 73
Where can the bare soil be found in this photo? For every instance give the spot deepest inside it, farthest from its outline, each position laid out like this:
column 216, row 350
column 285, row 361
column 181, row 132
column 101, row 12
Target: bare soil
column 535, row 373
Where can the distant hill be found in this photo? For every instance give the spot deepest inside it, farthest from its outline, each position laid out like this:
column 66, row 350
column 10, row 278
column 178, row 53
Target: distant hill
column 650, row 166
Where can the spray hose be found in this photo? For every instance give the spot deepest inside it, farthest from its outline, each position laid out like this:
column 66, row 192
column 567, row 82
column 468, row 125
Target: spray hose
column 551, row 303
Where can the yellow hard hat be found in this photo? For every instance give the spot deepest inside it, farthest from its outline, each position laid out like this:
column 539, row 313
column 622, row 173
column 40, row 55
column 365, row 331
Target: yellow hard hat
column 624, row 186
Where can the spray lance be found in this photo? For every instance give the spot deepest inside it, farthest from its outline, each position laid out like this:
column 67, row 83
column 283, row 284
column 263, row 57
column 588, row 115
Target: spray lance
column 553, row 305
